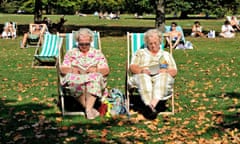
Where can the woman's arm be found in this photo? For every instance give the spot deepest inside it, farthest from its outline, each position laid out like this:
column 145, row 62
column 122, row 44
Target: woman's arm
column 103, row 71
column 66, row 69
column 137, row 69
column 193, row 28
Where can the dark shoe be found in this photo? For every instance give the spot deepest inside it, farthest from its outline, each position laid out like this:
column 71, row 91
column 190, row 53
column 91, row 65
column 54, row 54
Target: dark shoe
column 161, row 106
column 149, row 113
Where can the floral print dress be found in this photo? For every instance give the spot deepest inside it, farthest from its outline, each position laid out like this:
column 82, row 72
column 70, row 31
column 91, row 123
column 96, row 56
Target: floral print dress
column 93, row 83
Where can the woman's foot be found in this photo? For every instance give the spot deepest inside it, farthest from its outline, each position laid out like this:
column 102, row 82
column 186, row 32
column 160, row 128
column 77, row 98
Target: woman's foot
column 149, row 112
column 92, row 113
column 22, row 46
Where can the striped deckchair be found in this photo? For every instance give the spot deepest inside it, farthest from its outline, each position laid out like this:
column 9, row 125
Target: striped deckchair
column 46, row 55
column 70, row 41
column 135, row 41
column 64, row 94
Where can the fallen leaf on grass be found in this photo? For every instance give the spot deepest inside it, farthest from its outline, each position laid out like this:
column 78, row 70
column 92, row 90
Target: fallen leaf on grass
column 104, row 133
column 201, row 116
column 35, row 99
column 19, row 98
column 79, row 131
column 5, row 79
column 63, row 134
column 17, row 137
column 58, row 119
column 64, row 128
column 71, row 139
column 40, row 136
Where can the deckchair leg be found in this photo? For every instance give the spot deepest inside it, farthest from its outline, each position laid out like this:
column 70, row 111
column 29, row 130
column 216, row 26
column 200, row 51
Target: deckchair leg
column 62, row 105
column 173, row 104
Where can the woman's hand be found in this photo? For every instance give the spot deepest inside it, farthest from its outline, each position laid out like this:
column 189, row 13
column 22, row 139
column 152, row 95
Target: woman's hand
column 75, row 70
column 65, row 69
column 146, row 71
column 172, row 72
column 163, row 70
column 92, row 69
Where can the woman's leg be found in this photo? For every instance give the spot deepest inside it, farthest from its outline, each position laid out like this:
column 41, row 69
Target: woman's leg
column 144, row 84
column 87, row 101
column 24, row 41
column 162, row 88
column 82, row 100
column 91, row 112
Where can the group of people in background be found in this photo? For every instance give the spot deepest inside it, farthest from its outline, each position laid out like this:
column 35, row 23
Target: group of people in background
column 228, row 29
column 230, row 26
column 10, row 28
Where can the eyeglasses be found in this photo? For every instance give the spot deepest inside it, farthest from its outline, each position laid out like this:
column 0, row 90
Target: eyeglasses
column 84, row 44
column 173, row 26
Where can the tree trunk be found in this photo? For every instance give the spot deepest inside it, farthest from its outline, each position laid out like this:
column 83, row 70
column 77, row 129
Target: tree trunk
column 160, row 15
column 38, row 11
column 184, row 14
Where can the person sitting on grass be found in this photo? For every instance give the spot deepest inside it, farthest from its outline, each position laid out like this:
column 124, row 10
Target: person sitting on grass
column 227, row 30
column 234, row 23
column 197, row 30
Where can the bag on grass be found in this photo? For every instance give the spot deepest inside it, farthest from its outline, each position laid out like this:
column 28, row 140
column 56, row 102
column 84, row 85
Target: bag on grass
column 115, row 103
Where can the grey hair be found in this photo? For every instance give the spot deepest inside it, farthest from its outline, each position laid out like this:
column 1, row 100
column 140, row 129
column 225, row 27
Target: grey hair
column 84, row 32
column 150, row 33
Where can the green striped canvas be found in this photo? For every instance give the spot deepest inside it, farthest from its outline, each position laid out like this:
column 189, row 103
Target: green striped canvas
column 50, row 48
column 70, row 41
column 137, row 42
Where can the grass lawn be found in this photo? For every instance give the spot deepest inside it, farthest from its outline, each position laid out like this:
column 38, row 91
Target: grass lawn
column 207, row 95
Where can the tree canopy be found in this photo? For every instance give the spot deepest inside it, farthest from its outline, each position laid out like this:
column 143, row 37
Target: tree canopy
column 182, row 7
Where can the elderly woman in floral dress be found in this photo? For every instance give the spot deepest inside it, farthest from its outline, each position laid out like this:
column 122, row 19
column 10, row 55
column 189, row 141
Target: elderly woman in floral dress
column 157, row 86
column 85, row 69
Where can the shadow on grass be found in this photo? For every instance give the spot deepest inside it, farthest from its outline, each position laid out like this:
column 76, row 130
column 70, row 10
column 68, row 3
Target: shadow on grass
column 230, row 120
column 28, row 123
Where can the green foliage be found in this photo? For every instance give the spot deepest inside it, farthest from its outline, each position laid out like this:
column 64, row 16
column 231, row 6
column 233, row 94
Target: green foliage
column 28, row 6
column 9, row 7
column 185, row 7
